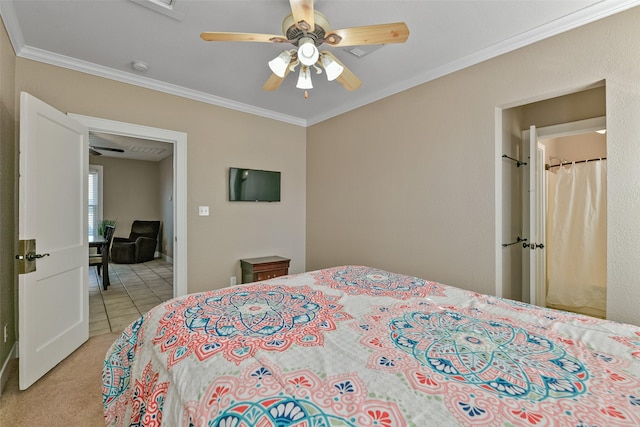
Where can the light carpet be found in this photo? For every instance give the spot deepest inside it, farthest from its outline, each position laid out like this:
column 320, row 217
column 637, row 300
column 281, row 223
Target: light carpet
column 68, row 395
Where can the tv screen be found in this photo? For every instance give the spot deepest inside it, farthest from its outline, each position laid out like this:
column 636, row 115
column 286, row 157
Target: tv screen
column 252, row 185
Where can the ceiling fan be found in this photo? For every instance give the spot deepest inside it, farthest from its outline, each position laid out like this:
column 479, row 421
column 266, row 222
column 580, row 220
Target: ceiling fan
column 307, row 29
column 94, row 150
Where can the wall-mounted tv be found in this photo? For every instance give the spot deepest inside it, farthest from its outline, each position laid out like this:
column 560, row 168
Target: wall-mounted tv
column 252, row 185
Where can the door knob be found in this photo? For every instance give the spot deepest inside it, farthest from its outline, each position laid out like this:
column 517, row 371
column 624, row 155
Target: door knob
column 27, row 256
column 31, row 256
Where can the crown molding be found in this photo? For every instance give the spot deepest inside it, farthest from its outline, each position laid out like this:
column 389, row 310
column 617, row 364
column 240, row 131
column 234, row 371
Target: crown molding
column 35, row 54
column 21, row 50
column 585, row 16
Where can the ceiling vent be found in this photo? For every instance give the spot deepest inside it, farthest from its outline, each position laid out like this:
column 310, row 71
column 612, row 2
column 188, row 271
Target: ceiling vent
column 146, row 150
column 362, row 51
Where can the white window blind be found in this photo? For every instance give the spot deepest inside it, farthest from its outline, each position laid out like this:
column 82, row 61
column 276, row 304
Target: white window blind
column 95, row 198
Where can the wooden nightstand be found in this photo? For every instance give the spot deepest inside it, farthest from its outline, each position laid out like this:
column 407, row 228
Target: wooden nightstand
column 268, row 267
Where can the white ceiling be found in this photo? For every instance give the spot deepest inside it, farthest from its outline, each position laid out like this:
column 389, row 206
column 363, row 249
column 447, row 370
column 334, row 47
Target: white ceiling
column 104, row 37
column 134, row 148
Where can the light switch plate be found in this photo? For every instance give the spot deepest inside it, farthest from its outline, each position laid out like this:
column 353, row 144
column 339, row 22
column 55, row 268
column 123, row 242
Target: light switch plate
column 203, row 210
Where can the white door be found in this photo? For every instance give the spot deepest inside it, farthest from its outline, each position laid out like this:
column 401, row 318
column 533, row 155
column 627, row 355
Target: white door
column 534, row 260
column 53, row 300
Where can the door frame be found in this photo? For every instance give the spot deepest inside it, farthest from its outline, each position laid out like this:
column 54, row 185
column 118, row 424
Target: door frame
column 534, row 217
column 179, row 141
column 572, row 128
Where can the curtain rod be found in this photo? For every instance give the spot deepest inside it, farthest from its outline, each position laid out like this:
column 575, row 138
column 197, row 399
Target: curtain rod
column 548, row 166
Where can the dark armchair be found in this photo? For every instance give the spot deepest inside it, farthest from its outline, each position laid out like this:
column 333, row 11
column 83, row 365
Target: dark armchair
column 139, row 247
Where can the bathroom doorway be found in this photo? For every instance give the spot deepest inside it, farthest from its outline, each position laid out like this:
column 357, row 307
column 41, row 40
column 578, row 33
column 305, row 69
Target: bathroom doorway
column 576, row 220
column 572, row 113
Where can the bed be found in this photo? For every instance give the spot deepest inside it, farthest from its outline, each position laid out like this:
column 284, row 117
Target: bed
column 359, row 346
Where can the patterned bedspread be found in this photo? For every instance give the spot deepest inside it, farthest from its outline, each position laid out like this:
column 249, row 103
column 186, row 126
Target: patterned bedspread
column 357, row 346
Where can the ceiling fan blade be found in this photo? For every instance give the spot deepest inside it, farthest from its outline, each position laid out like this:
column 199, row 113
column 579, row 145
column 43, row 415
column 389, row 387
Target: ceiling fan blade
column 396, row 32
column 303, row 16
column 93, row 152
column 242, row 37
column 273, row 82
column 347, row 79
column 116, row 150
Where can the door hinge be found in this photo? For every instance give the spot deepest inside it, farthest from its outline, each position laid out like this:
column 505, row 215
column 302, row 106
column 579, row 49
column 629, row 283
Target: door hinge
column 533, row 245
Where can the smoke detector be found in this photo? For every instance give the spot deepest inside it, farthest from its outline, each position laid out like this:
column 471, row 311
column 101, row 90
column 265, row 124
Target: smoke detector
column 140, row 66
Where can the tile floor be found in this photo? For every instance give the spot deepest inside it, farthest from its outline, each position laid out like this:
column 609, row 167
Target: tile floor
column 134, row 289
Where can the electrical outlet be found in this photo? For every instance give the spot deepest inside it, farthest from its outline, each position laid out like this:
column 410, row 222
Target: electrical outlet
column 6, row 333
column 232, row 282
column 203, row 210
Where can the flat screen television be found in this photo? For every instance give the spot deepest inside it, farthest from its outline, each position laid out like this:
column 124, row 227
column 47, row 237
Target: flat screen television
column 252, row 185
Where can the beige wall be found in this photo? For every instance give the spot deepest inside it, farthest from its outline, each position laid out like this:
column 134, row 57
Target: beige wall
column 512, row 177
column 135, row 189
column 130, row 190
column 409, row 183
column 576, row 106
column 217, row 138
column 8, row 195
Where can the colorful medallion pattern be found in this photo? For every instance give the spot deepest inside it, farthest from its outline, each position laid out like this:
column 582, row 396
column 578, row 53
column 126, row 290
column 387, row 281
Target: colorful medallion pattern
column 368, row 348
column 490, row 372
column 263, row 395
column 116, row 371
column 371, row 281
column 238, row 321
column 147, row 400
column 498, row 357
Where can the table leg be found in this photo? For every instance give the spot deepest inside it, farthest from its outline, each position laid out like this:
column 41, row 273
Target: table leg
column 105, row 269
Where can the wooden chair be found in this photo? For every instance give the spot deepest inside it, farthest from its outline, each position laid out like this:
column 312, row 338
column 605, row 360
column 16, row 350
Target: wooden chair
column 97, row 259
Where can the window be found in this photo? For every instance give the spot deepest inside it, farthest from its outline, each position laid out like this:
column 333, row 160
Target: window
column 95, row 199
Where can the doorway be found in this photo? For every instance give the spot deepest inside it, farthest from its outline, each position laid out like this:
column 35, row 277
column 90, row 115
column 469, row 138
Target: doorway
column 513, row 176
column 179, row 142
column 575, row 211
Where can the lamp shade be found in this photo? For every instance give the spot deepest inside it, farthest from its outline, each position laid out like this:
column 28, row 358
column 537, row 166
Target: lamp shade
column 279, row 65
column 332, row 68
column 307, row 51
column 304, row 79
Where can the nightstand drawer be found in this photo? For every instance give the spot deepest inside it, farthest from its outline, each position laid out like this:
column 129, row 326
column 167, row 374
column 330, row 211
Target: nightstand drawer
column 266, row 275
column 264, row 268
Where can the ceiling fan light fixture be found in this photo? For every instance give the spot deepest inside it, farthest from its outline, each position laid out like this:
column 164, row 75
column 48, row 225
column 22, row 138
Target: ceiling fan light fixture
column 304, row 79
column 279, row 64
column 307, row 51
column 332, row 68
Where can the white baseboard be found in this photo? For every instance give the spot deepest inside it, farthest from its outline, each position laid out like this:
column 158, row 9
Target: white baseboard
column 8, row 366
column 160, row 255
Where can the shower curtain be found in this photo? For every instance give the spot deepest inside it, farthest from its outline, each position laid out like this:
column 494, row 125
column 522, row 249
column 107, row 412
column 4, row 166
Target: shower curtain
column 577, row 236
